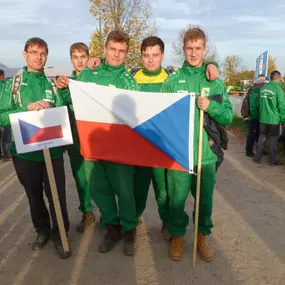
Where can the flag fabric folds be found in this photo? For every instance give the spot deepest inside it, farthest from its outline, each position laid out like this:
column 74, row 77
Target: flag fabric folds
column 131, row 127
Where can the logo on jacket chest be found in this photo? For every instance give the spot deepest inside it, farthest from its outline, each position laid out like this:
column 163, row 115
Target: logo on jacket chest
column 49, row 97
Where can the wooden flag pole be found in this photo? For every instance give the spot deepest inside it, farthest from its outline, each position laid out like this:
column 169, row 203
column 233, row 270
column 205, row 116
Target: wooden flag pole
column 197, row 199
column 55, row 199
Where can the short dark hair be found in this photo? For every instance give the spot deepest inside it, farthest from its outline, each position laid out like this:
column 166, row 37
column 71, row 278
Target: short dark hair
column 2, row 73
column 36, row 42
column 275, row 75
column 152, row 41
column 118, row 36
column 79, row 47
column 195, row 34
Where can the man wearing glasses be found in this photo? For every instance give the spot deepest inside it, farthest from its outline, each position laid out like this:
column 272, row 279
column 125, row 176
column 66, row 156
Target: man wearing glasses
column 32, row 91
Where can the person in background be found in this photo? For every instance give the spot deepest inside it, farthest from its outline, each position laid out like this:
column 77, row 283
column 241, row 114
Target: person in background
column 5, row 133
column 253, row 122
column 271, row 113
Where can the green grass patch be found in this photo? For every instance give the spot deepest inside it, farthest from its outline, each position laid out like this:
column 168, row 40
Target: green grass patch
column 240, row 124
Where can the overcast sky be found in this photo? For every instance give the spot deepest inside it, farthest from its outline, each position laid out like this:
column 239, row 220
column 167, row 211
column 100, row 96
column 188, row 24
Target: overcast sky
column 245, row 28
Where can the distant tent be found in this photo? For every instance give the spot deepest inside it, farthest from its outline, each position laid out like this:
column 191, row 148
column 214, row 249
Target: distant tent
column 2, row 66
column 51, row 72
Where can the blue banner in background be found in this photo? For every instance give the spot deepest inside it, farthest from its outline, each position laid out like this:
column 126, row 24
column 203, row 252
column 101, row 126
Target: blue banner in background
column 262, row 64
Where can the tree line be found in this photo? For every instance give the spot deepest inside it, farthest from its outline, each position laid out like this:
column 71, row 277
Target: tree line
column 135, row 18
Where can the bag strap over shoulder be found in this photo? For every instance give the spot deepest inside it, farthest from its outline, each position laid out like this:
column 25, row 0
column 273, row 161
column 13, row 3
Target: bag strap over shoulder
column 17, row 81
column 53, row 85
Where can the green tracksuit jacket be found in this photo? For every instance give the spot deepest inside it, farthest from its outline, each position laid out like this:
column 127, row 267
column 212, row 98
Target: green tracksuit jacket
column 272, row 104
column 254, row 103
column 34, row 87
column 1, row 84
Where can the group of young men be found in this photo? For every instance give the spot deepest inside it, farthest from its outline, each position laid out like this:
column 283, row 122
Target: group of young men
column 266, row 113
column 120, row 191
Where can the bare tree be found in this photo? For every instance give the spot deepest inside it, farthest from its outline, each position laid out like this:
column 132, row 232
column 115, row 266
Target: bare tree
column 131, row 16
column 271, row 64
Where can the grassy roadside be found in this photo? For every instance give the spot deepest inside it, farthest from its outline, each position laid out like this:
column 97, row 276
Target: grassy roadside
column 239, row 129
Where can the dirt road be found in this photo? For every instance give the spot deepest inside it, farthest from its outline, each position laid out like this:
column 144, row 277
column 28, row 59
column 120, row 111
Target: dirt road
column 248, row 237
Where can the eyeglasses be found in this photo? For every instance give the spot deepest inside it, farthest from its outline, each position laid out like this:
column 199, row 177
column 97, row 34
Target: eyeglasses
column 37, row 54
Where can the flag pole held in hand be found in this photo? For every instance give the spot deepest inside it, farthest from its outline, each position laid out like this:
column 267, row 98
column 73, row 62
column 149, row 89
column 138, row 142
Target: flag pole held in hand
column 204, row 92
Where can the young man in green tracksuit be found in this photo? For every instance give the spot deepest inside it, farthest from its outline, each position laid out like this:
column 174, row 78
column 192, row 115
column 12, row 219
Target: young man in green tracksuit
column 150, row 79
column 253, row 123
column 79, row 56
column 108, row 179
column 32, row 91
column 271, row 114
column 191, row 78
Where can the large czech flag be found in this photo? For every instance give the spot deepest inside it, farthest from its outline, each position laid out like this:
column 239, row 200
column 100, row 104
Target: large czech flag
column 131, row 127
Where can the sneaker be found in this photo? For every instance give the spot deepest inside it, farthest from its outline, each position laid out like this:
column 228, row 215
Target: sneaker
column 165, row 232
column 256, row 161
column 113, row 235
column 40, row 242
column 129, row 246
column 59, row 249
column 88, row 219
column 250, row 154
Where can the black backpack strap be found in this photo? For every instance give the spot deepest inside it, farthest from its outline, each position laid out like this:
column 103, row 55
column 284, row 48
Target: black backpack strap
column 170, row 69
column 53, row 85
column 133, row 71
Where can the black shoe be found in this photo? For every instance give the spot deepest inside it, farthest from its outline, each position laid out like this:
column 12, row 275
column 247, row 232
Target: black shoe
column 40, row 242
column 88, row 219
column 250, row 154
column 130, row 238
column 276, row 163
column 59, row 249
column 256, row 161
column 113, row 235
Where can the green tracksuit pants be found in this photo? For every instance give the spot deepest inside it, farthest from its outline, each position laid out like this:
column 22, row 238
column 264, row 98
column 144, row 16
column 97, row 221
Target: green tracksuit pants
column 77, row 163
column 179, row 186
column 143, row 177
column 108, row 180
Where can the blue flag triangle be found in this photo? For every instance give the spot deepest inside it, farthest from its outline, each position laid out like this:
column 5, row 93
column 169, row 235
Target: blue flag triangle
column 159, row 130
column 27, row 130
